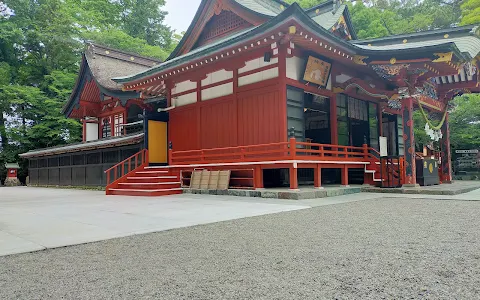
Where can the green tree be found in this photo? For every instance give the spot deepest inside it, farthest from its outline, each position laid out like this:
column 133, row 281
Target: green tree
column 465, row 122
column 470, row 12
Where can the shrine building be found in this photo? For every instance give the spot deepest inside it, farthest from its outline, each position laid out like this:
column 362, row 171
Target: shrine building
column 272, row 93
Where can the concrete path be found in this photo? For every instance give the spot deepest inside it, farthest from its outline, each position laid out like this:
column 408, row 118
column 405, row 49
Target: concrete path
column 388, row 248
column 38, row 218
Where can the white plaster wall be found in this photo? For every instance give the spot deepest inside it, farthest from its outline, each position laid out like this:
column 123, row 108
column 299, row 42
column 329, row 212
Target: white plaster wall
column 184, row 86
column 257, row 77
column 217, row 91
column 256, row 63
column 217, row 76
column 295, row 68
column 91, row 132
column 185, row 99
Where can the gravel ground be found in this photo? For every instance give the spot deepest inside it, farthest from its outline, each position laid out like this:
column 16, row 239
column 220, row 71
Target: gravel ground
column 376, row 249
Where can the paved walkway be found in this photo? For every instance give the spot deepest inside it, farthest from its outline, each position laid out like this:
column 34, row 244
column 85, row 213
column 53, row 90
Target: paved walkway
column 34, row 219
column 38, row 218
column 374, row 249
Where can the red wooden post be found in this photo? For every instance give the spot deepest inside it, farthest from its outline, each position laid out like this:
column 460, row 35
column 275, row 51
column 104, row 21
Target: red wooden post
column 293, row 148
column 409, row 142
column 317, row 177
column 136, row 161
column 123, row 168
column 170, row 157
column 321, row 151
column 293, row 177
column 258, row 178
column 345, row 175
column 242, row 155
column 202, row 157
column 108, row 177
column 365, row 151
column 84, row 130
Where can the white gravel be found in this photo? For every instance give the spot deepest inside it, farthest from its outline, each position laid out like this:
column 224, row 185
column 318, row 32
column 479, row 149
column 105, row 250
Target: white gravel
column 376, row 249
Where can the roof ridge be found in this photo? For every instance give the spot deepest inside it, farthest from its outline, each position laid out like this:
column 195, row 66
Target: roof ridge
column 418, row 34
column 136, row 55
column 321, row 5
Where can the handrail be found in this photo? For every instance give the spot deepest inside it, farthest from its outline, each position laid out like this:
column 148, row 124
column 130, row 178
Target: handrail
column 140, row 159
column 290, row 150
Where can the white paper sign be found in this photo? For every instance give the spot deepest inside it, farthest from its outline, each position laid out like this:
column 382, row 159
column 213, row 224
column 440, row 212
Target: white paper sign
column 383, row 146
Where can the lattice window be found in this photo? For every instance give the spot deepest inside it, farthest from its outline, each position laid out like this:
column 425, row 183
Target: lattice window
column 220, row 25
column 106, row 128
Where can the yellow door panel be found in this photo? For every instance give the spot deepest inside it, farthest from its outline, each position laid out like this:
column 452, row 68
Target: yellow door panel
column 157, row 142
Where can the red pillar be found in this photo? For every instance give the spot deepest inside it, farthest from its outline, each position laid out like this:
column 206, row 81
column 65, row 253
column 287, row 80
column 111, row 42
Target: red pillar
column 84, row 130
column 258, row 178
column 345, row 175
column 409, row 142
column 293, row 177
column 317, row 177
column 446, row 165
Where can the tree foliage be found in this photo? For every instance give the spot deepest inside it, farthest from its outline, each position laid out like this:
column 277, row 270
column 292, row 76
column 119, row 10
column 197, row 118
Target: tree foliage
column 40, row 46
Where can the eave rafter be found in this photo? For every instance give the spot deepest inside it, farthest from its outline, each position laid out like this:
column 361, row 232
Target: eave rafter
column 288, row 34
column 158, row 80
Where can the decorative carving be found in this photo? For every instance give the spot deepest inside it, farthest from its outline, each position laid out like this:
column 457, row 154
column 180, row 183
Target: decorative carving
column 395, row 104
column 443, row 57
column 365, row 88
column 428, row 89
column 470, row 69
column 220, row 24
column 389, row 71
column 359, row 60
column 341, row 29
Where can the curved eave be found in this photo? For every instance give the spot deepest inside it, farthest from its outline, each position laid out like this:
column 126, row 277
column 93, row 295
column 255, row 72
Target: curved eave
column 77, row 89
column 461, row 29
column 296, row 14
column 196, row 19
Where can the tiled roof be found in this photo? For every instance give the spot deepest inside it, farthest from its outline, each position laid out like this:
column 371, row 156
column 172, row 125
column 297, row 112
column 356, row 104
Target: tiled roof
column 463, row 38
column 468, row 45
column 106, row 63
column 103, row 143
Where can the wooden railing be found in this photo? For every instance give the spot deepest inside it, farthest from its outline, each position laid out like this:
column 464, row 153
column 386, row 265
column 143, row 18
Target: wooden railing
column 291, row 150
column 120, row 171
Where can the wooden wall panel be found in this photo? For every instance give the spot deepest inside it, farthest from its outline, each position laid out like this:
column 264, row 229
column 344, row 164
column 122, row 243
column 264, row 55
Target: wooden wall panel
column 246, row 118
column 183, row 129
column 259, row 117
column 218, row 124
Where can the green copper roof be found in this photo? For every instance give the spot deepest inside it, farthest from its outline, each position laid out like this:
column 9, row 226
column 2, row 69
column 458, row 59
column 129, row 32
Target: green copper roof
column 297, row 13
column 328, row 19
column 271, row 9
column 468, row 45
column 265, row 7
column 463, row 38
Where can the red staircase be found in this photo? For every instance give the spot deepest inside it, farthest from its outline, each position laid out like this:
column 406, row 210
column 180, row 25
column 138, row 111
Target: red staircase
column 133, row 177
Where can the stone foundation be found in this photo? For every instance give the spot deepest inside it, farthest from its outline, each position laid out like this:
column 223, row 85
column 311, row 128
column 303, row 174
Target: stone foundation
column 12, row 181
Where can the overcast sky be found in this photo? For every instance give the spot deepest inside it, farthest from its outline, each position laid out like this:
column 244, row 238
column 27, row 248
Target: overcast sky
column 180, row 13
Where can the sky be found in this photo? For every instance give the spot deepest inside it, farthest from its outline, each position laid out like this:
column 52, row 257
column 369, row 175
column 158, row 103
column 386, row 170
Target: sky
column 180, row 13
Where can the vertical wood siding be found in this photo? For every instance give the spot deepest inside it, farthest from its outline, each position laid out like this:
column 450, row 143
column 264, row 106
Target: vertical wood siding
column 246, row 118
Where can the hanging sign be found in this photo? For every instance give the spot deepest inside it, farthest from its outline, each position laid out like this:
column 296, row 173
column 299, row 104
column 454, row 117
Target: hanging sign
column 317, row 71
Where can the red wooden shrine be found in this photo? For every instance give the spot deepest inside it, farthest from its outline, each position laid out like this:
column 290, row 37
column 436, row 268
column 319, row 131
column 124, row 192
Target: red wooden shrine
column 283, row 95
